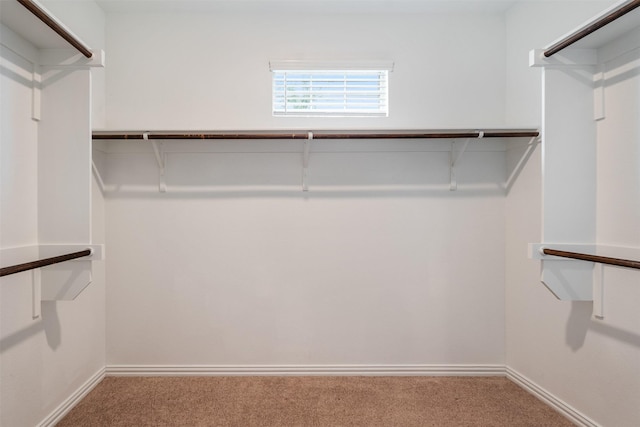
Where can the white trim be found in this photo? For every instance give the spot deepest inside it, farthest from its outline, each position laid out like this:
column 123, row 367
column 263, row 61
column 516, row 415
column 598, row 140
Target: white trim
column 307, row 370
column 68, row 404
column 559, row 405
column 262, row 370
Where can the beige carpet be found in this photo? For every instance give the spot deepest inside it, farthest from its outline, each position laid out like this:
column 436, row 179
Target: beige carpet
column 311, row 401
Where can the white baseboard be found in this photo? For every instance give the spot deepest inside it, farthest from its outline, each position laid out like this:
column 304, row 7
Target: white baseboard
column 68, row 404
column 302, row 370
column 373, row 370
column 568, row 411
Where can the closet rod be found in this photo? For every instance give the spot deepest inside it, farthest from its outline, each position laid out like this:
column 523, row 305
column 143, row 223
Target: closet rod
column 594, row 258
column 321, row 135
column 55, row 26
column 582, row 33
column 5, row 271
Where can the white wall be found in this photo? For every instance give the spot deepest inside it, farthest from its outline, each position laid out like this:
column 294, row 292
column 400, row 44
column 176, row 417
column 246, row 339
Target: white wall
column 378, row 264
column 269, row 275
column 42, row 361
column 211, row 70
column 591, row 365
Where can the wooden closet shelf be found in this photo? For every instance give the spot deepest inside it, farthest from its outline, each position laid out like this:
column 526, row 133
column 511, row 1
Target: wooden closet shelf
column 297, row 134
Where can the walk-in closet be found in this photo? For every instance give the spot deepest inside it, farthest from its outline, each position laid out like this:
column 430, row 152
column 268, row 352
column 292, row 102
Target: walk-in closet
column 359, row 212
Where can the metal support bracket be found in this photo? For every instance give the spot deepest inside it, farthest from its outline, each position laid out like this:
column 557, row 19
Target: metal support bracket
column 96, row 173
column 305, row 162
column 598, row 291
column 36, row 291
column 599, row 94
column 36, row 94
column 531, row 146
column 455, row 158
column 161, row 158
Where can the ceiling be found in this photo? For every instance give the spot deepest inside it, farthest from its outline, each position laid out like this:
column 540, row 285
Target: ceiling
column 312, row 6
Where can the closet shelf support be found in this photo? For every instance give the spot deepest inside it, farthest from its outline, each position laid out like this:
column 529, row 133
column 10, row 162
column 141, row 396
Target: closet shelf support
column 161, row 158
column 618, row 262
column 19, row 268
column 531, row 146
column 96, row 173
column 305, row 162
column 575, row 272
column 455, row 159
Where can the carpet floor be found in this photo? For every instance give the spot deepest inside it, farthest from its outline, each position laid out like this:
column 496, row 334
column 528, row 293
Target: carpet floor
column 311, row 401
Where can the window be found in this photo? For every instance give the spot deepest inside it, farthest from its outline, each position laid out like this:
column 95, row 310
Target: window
column 313, row 89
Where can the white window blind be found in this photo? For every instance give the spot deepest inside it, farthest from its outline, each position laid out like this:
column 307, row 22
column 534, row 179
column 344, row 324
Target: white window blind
column 330, row 92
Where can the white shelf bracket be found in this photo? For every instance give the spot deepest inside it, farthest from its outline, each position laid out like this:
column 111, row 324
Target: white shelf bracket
column 599, row 94
column 455, row 159
column 531, row 146
column 161, row 158
column 96, row 173
column 36, row 294
column 598, row 291
column 453, row 184
column 305, row 162
column 36, row 94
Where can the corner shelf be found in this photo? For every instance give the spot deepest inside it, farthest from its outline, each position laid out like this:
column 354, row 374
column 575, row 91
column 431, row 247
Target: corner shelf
column 59, row 67
column 575, row 80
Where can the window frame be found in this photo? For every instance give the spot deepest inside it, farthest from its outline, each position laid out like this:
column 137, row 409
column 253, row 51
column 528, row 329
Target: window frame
column 354, row 75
